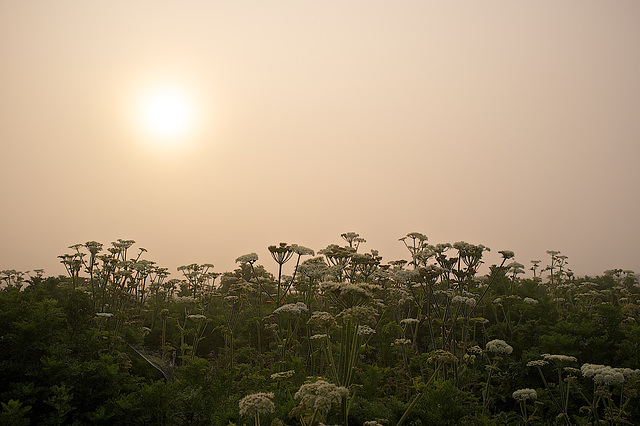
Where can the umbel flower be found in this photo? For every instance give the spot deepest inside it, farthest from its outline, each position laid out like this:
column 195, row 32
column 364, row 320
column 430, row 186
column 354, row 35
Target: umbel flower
column 559, row 359
column 247, row 258
column 256, row 404
column 320, row 396
column 443, row 356
column 283, row 375
column 499, row 347
column 525, row 394
column 322, row 319
column 291, row 308
column 365, row 330
column 603, row 374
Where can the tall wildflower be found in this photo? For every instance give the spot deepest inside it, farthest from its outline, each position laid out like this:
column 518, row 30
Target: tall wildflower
column 493, row 351
column 256, row 404
column 317, row 398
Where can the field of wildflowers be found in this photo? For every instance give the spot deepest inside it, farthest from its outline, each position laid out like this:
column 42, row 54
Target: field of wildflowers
column 333, row 337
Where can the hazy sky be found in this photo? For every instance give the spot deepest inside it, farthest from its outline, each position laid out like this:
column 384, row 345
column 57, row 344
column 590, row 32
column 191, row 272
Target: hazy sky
column 510, row 124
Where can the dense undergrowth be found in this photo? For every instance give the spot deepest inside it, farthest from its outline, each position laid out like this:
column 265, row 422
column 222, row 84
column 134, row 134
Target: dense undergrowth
column 341, row 338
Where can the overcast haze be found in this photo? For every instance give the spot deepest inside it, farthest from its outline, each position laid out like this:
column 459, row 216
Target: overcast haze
column 509, row 124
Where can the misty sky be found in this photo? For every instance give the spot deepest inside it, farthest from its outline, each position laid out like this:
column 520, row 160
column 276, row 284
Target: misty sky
column 509, row 124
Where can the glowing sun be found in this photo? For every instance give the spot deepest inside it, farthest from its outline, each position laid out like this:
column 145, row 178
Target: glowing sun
column 167, row 114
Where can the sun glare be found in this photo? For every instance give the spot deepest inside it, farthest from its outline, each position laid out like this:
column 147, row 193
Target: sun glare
column 167, row 115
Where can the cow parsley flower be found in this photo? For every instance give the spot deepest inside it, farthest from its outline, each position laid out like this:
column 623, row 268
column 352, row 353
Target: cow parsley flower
column 365, row 330
column 475, row 350
column 283, row 375
column 499, row 346
column 322, row 319
column 301, row 250
column 196, row 316
column 558, row 359
column 443, row 356
column 537, row 363
column 507, row 254
column 530, row 301
column 602, row 374
column 256, row 404
column 318, row 336
column 358, row 315
column 408, row 321
column 320, row 395
column 291, row 308
column 247, row 258
column 525, row 394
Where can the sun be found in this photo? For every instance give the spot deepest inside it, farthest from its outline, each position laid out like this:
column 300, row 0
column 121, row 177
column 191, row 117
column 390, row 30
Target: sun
column 166, row 114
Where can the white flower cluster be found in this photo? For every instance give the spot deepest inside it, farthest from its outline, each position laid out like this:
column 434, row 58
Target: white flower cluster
column 442, row 356
column 499, row 346
column 557, row 359
column 196, row 316
column 470, row 301
column 628, row 373
column 474, row 350
column 408, row 321
column 320, row 395
column 530, row 301
column 322, row 319
column 401, row 342
column 318, row 336
column 537, row 363
column 525, row 394
column 256, row 404
column 365, row 330
column 291, row 308
column 605, row 375
column 602, row 374
column 358, row 314
column 283, row 375
column 104, row 314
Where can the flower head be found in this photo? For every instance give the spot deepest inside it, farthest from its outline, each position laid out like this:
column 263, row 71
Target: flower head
column 322, row 319
column 443, row 356
column 301, row 250
column 525, row 394
column 247, row 258
column 365, row 330
column 196, row 316
column 320, row 395
column 283, row 375
column 602, row 374
column 358, row 315
column 537, row 363
column 507, row 254
column 408, row 321
column 256, row 404
column 291, row 308
column 499, row 346
column 559, row 359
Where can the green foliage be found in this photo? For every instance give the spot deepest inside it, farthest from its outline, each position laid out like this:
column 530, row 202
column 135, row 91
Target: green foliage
column 117, row 343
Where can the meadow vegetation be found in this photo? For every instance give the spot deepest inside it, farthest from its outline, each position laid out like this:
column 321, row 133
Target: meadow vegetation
column 333, row 337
